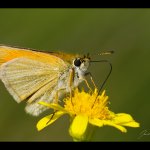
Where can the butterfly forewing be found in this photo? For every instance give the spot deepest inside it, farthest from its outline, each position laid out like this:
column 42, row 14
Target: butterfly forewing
column 9, row 53
column 32, row 75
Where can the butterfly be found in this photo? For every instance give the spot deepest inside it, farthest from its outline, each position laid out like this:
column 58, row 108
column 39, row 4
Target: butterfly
column 40, row 76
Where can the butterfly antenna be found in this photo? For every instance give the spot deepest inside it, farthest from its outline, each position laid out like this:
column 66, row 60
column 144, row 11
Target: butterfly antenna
column 106, row 52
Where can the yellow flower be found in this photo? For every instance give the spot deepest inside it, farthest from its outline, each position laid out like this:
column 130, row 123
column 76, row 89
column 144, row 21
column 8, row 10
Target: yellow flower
column 85, row 108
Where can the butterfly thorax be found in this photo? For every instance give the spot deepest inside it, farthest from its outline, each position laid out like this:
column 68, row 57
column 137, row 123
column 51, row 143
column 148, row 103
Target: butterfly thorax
column 77, row 70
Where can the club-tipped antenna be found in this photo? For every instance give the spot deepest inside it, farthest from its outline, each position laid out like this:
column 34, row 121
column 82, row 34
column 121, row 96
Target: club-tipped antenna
column 106, row 52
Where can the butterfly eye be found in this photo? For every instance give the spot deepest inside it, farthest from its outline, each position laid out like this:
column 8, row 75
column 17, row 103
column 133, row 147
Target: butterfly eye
column 77, row 62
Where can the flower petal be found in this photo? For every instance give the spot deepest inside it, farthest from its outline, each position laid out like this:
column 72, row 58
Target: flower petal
column 100, row 123
column 122, row 118
column 96, row 122
column 78, row 127
column 111, row 123
column 44, row 122
column 125, row 120
column 52, row 105
column 132, row 124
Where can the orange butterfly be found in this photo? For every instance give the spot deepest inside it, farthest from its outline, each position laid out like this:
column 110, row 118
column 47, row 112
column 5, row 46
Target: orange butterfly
column 39, row 76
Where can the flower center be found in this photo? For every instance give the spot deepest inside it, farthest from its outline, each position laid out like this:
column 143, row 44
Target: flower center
column 91, row 105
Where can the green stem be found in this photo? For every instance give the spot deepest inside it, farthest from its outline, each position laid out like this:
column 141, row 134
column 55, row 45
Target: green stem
column 89, row 133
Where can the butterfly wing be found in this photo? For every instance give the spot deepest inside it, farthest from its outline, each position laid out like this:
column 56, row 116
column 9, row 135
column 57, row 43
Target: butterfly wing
column 24, row 77
column 9, row 53
column 47, row 94
column 31, row 80
column 32, row 76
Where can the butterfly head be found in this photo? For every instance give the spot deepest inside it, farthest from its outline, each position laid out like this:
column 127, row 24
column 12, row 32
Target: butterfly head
column 81, row 63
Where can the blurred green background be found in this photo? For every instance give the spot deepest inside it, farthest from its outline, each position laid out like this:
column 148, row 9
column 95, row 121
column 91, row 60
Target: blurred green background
column 126, row 31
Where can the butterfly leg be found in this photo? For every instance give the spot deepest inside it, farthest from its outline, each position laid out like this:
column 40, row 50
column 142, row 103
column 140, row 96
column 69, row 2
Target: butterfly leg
column 55, row 101
column 88, row 73
column 86, row 82
column 57, row 96
column 71, row 80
